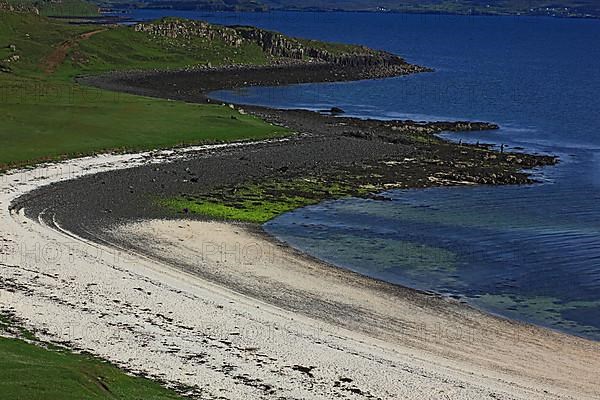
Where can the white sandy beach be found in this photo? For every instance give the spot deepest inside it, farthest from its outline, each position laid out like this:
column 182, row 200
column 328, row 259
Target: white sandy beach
column 223, row 309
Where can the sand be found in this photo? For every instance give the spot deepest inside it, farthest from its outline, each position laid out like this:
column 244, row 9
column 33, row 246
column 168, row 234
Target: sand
column 222, row 311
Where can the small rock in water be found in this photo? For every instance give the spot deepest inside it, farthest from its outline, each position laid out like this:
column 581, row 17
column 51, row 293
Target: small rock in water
column 333, row 110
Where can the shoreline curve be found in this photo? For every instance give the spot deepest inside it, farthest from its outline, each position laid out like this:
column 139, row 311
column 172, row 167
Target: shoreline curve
column 153, row 318
column 387, row 356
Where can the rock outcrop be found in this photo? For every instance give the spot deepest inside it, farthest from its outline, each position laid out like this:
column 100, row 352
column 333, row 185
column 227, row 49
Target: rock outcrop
column 273, row 43
column 188, row 29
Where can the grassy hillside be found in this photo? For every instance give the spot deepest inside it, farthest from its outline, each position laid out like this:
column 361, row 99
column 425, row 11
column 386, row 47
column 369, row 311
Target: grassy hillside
column 49, row 121
column 123, row 48
column 34, row 37
column 138, row 50
column 111, row 48
column 46, row 116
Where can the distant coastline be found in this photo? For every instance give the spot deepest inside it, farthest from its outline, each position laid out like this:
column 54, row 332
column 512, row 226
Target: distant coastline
column 124, row 8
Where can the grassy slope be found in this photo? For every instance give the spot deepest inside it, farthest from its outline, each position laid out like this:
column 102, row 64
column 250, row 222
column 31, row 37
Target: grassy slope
column 333, row 48
column 69, row 128
column 137, row 50
column 34, row 38
column 34, row 370
column 49, row 117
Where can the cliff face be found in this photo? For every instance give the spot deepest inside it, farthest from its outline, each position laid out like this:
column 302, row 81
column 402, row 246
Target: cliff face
column 272, row 43
column 279, row 45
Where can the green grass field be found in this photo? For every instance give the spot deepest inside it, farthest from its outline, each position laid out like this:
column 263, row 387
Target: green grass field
column 34, row 37
column 53, row 120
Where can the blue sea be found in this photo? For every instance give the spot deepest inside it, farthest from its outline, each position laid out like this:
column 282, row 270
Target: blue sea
column 530, row 253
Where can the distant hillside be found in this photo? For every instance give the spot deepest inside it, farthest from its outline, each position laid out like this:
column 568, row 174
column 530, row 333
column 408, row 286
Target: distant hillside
column 502, row 7
column 207, row 5
column 559, row 8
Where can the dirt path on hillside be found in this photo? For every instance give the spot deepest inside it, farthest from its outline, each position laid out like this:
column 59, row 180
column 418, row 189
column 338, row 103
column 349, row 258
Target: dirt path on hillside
column 51, row 63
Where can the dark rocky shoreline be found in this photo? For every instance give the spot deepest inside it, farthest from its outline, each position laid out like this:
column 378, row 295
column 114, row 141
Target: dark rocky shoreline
column 193, row 85
column 380, row 154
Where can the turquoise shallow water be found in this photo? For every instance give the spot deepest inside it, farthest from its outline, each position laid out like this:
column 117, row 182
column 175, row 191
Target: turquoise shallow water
column 530, row 253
